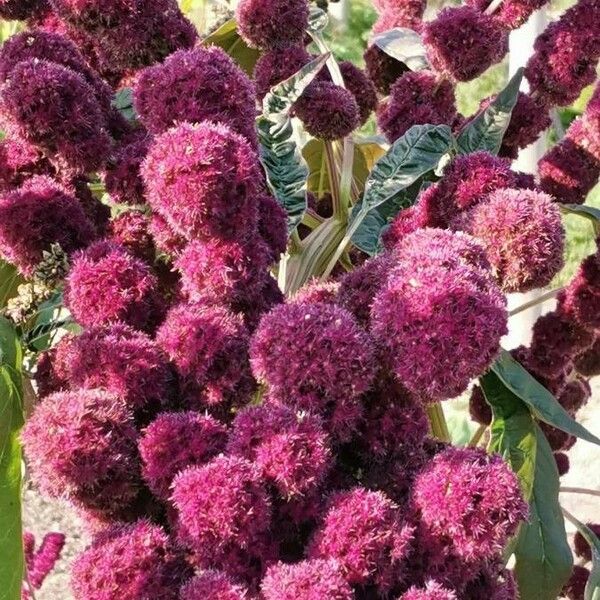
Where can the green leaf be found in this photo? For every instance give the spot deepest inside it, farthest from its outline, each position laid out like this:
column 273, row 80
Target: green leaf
column 285, row 167
column 513, row 433
column 592, row 588
column 411, row 157
column 543, row 557
column 10, row 280
column 591, row 213
column 541, row 402
column 405, row 45
column 11, row 421
column 123, row 102
column 487, row 129
column 228, row 38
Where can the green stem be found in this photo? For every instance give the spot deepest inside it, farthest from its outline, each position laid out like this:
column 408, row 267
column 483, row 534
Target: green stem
column 334, row 184
column 578, row 490
column 547, row 296
column 474, row 441
column 437, row 421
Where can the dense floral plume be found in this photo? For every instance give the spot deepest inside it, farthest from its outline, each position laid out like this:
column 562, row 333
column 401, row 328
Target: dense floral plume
column 21, row 9
column 40, row 562
column 212, row 584
column 383, row 70
column 431, row 591
column 274, row 66
column 131, row 229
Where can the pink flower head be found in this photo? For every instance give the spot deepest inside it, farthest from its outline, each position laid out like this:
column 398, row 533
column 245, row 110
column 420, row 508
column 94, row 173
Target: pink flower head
column 462, row 42
column 556, row 340
column 272, row 24
column 290, row 448
column 203, row 84
column 511, row 14
column 272, row 225
column 35, row 216
column 175, row 441
column 20, row 160
column 274, row 66
column 82, row 445
column 200, row 179
column 408, row 220
column 382, row 69
column 317, row 291
column 467, row 181
column 133, row 561
column 470, row 499
column 41, row 563
column 588, row 362
column 581, row 298
column 327, row 111
column 416, row 98
column 220, row 504
column 165, row 238
column 585, row 134
column 314, row 357
column 131, row 230
column 50, row 374
column 523, row 237
column 407, row 14
column 122, row 176
column 255, row 305
column 359, row 287
column 582, row 548
column 79, row 142
column 364, row 532
column 361, row 87
column 568, row 172
column 431, row 591
column 107, row 284
column 438, row 326
column 306, row 580
column 208, row 345
column 116, row 358
column 212, row 584
column 21, row 9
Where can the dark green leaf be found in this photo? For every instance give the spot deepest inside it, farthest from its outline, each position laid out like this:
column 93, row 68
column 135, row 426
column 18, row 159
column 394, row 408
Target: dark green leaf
column 412, row 157
column 123, row 102
column 540, row 401
column 543, row 557
column 405, row 45
column 11, row 421
column 228, row 38
column 10, row 280
column 286, row 170
column 487, row 129
column 513, row 432
column 592, row 588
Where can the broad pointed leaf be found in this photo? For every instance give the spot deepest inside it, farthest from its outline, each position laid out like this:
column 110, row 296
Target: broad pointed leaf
column 228, row 38
column 540, row 401
column 591, row 213
column 405, row 45
column 487, row 129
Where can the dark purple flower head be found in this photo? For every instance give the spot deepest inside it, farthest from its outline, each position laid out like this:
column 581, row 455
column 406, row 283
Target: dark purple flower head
column 19, row 161
column 523, row 237
column 220, row 504
column 313, row 357
column 82, row 445
column 581, row 298
column 382, row 69
column 226, row 271
column 462, row 42
column 272, row 225
column 588, row 362
column 175, row 441
column 21, row 9
column 568, row 172
column 558, row 439
column 328, row 112
column 359, row 287
column 212, row 585
column 408, row 14
column 122, row 176
column 37, row 96
column 479, row 410
column 133, row 561
column 575, row 588
column 201, row 179
column 209, row 347
column 35, row 216
column 97, row 212
column 575, row 395
column 431, row 591
column 306, row 580
column 585, row 134
column 471, row 500
column 272, row 24
column 290, row 448
column 361, row 87
column 556, row 340
column 116, row 358
column 416, row 98
column 254, row 306
column 51, row 374
column 562, row 463
column 94, row 14
column 582, row 548
column 203, row 84
column 274, row 66
column 107, row 284
column 421, row 214
column 131, row 230
column 364, row 532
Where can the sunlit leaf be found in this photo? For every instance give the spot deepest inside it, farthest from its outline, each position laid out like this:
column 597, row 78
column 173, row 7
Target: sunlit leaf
column 228, row 38
column 405, row 45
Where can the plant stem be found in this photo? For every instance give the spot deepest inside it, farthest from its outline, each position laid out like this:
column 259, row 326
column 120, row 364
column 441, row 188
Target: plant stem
column 334, row 181
column 474, row 441
column 547, row 296
column 578, row 490
column 557, row 124
column 494, row 5
column 437, row 421
column 346, row 178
